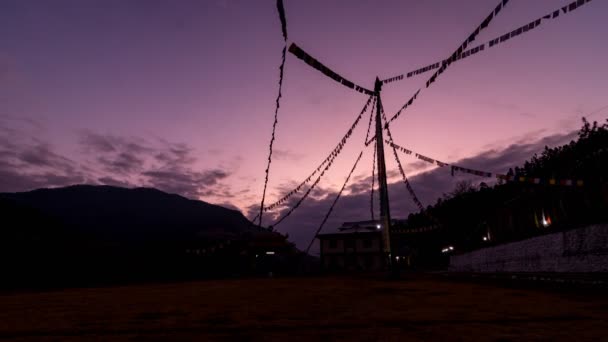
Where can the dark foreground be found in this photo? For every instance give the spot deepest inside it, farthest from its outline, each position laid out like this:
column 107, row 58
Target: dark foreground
column 308, row 309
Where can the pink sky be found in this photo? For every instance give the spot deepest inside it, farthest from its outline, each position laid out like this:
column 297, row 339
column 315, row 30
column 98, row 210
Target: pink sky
column 181, row 93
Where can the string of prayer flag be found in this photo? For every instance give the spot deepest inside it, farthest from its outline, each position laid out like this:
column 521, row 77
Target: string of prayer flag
column 520, row 179
column 455, row 54
column 493, row 42
column 329, row 163
column 308, row 59
column 281, row 11
column 331, row 208
column 329, row 159
column 408, row 186
column 369, row 125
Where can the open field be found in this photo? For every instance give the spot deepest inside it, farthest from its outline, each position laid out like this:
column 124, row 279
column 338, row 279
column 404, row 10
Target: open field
column 331, row 308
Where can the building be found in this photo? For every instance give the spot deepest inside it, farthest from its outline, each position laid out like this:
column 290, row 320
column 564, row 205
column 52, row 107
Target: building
column 357, row 246
column 353, row 246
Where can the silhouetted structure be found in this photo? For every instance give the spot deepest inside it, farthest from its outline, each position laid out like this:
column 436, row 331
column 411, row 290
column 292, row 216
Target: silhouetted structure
column 357, row 246
column 353, row 246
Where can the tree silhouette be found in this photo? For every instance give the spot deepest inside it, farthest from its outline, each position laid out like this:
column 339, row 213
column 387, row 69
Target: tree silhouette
column 471, row 218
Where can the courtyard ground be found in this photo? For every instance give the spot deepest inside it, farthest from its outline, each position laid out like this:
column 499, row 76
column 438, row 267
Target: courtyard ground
column 417, row 307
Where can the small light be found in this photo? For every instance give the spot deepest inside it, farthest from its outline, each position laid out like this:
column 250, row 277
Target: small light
column 451, row 248
column 270, row 253
column 378, row 226
column 397, row 258
column 485, row 238
column 546, row 221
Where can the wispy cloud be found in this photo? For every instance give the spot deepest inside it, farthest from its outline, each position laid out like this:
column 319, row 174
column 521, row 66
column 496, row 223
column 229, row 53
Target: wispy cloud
column 30, row 163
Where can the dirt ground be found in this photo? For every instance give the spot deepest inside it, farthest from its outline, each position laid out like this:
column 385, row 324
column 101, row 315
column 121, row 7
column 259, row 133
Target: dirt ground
column 324, row 308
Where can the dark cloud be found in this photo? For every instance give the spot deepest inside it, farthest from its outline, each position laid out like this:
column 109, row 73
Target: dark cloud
column 175, row 154
column 98, row 143
column 121, row 163
column 117, row 155
column 429, row 186
column 14, row 180
column 360, row 186
column 40, row 155
column 28, row 163
column 187, row 182
column 166, row 166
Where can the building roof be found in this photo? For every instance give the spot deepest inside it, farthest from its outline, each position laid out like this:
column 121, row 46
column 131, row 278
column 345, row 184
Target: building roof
column 371, row 226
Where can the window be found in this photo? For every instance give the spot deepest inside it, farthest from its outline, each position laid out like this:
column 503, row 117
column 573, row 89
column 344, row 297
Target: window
column 367, row 243
column 349, row 244
column 333, row 243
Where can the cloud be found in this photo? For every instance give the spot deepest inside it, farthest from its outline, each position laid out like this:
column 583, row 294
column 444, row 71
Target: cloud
column 161, row 164
column 12, row 180
column 117, row 155
column 27, row 167
column 187, row 182
column 121, row 163
column 28, row 163
column 417, row 165
column 98, row 143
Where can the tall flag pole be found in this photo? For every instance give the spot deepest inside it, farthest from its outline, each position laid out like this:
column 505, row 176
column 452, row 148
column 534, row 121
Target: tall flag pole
column 385, row 215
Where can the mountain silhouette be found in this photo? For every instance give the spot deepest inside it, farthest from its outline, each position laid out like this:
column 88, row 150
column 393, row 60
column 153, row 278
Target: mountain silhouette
column 87, row 234
column 130, row 215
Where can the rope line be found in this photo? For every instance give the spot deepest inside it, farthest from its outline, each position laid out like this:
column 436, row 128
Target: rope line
column 491, row 43
column 333, row 155
column 281, row 11
column 453, row 57
column 455, row 168
column 405, row 180
column 369, row 125
column 329, row 158
column 331, row 208
column 274, row 127
column 308, row 59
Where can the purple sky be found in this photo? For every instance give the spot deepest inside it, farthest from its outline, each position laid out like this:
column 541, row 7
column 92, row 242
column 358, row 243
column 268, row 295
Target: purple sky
column 180, row 94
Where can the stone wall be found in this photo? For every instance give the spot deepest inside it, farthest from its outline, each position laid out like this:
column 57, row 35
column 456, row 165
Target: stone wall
column 579, row 250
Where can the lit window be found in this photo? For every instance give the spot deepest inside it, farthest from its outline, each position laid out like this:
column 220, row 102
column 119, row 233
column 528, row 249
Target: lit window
column 546, row 220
